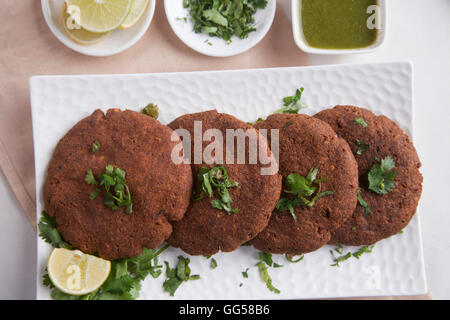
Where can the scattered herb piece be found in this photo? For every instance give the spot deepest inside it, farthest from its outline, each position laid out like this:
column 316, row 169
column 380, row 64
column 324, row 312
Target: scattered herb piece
column 267, row 258
column 293, row 104
column 151, row 110
column 363, row 202
column 381, row 178
column 307, row 191
column 361, row 122
column 213, row 263
column 117, row 194
column 338, row 248
column 177, row 275
column 264, row 274
column 208, row 42
column 216, row 178
column 245, row 273
column 353, row 228
column 95, row 146
column 224, row 18
column 340, row 259
column 362, row 147
column 290, row 258
column 400, row 232
column 362, row 250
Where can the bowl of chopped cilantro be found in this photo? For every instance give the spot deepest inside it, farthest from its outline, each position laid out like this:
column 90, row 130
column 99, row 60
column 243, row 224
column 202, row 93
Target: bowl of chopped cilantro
column 220, row 28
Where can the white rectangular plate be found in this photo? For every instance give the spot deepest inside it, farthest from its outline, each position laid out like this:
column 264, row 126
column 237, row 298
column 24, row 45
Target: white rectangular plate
column 396, row 265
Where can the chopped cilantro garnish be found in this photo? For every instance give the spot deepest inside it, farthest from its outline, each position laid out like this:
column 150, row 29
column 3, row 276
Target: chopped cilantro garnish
column 293, row 104
column 361, row 122
column 339, row 259
column 307, row 191
column 224, row 18
column 216, row 178
column 178, row 275
column 264, row 274
column 245, row 273
column 117, row 193
column 95, row 146
column 363, row 202
column 362, row 250
column 362, row 147
column 381, row 176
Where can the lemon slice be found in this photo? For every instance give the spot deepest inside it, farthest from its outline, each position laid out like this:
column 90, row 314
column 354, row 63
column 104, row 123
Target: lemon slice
column 76, row 273
column 137, row 11
column 78, row 34
column 99, row 15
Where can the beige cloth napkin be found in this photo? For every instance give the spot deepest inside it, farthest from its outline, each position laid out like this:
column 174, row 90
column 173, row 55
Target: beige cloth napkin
column 29, row 48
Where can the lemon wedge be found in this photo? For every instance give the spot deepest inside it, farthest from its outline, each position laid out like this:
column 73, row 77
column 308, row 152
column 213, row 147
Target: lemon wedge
column 99, row 16
column 78, row 34
column 76, row 273
column 137, row 11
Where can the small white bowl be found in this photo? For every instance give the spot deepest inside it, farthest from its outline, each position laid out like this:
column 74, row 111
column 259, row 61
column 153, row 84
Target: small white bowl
column 214, row 46
column 118, row 41
column 296, row 7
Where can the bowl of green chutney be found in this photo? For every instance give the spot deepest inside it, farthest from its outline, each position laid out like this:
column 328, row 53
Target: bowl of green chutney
column 339, row 26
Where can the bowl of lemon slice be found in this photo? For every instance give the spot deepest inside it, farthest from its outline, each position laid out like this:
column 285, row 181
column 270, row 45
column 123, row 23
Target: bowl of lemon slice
column 98, row 27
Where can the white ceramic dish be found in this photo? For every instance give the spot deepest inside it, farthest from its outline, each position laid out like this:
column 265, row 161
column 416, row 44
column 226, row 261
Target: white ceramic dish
column 213, row 46
column 296, row 7
column 396, row 265
column 118, row 41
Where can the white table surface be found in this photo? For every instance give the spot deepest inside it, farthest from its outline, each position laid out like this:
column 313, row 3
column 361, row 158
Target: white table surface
column 418, row 31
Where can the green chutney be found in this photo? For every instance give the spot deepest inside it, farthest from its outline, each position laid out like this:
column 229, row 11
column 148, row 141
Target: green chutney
column 337, row 24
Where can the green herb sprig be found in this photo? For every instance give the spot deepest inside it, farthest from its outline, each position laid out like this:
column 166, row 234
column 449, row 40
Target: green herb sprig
column 117, row 194
column 216, row 179
column 307, row 191
column 293, row 104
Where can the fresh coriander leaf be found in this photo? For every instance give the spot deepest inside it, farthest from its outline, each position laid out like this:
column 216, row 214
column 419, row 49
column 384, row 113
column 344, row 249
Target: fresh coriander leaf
column 94, row 194
column 362, row 147
column 362, row 202
column 49, row 233
column 245, row 273
column 381, row 178
column 89, row 178
column 361, row 122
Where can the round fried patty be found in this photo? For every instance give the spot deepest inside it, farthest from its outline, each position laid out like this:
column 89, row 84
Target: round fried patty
column 390, row 212
column 205, row 230
column 307, row 143
column 160, row 189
